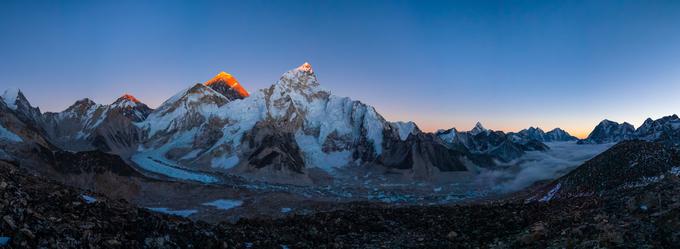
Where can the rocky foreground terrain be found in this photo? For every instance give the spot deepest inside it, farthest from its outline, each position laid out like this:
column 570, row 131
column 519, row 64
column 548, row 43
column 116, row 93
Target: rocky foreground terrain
column 38, row 213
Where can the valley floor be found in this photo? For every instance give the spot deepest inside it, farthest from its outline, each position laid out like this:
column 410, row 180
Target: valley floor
column 37, row 212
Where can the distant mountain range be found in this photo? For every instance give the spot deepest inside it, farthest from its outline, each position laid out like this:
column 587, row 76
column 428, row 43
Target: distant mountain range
column 665, row 130
column 499, row 145
column 216, row 140
column 292, row 132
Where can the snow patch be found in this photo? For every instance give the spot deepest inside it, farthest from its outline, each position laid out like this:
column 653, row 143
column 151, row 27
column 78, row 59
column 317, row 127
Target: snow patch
column 551, row 193
column 644, row 181
column 8, row 135
column 224, row 204
column 181, row 213
column 675, row 171
column 89, row 199
column 191, row 155
column 224, row 162
column 405, row 129
column 10, row 97
column 449, row 136
column 374, row 129
column 315, row 157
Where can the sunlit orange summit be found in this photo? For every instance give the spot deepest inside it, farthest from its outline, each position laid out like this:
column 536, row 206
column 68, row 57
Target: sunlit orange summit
column 224, row 78
column 130, row 98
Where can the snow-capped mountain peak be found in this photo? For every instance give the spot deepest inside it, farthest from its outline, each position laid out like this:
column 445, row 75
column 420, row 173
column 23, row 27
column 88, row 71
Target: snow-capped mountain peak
column 228, row 86
column 79, row 108
column 185, row 109
column 665, row 128
column 405, row 129
column 194, row 94
column 306, row 67
column 129, row 97
column 608, row 131
column 127, row 101
column 536, row 129
column 10, row 97
column 536, row 133
column 301, row 78
column 85, row 102
column 447, row 135
column 15, row 100
column 131, row 107
column 479, row 128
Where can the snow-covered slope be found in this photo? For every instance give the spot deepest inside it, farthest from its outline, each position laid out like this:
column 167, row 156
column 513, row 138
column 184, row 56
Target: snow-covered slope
column 559, row 135
column 130, row 107
column 9, row 97
column 405, row 129
column 479, row 140
column 19, row 139
column 610, row 132
column 15, row 100
column 479, row 128
column 71, row 128
column 8, row 135
column 665, row 130
column 280, row 132
column 86, row 125
column 535, row 133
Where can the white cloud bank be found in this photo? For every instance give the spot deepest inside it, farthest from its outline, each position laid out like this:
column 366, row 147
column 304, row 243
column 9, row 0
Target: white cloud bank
column 537, row 166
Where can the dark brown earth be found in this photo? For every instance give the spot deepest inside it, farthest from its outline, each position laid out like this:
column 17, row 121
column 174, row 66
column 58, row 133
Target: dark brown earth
column 36, row 212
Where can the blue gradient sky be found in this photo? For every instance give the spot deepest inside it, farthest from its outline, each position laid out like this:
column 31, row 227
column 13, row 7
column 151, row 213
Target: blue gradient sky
column 508, row 64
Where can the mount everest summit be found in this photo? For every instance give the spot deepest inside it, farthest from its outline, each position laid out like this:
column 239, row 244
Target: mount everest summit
column 292, row 131
column 295, row 147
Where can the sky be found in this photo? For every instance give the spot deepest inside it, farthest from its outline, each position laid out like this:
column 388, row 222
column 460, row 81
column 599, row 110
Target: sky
column 442, row 64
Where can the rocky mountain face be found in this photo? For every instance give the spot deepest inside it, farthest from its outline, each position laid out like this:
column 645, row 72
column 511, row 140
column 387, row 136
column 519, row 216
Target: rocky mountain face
column 20, row 138
column 228, row 86
column 665, row 130
column 15, row 101
column 501, row 146
column 40, row 213
column 86, row 125
column 286, row 129
column 610, row 132
column 625, row 197
column 629, row 164
column 535, row 133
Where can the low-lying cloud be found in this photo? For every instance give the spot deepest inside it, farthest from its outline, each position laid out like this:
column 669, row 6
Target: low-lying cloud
column 537, row 166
